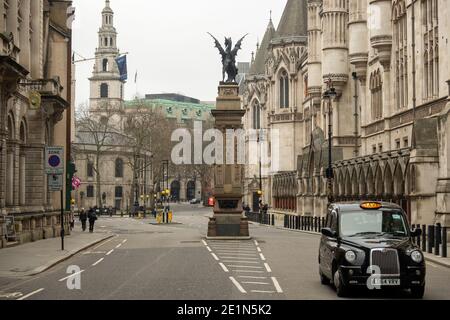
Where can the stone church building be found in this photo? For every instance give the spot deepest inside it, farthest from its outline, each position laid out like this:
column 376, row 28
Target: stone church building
column 387, row 62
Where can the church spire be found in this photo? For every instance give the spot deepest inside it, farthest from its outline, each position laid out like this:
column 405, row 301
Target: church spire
column 107, row 33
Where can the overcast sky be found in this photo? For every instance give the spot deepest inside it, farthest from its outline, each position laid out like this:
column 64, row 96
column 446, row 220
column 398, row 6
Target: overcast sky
column 167, row 41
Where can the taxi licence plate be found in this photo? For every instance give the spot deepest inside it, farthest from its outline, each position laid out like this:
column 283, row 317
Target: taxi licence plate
column 385, row 282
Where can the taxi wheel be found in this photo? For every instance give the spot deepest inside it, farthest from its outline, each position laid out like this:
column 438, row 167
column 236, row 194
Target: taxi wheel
column 418, row 292
column 341, row 288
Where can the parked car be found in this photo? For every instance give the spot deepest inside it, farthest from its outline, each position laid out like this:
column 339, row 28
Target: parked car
column 368, row 244
column 194, row 201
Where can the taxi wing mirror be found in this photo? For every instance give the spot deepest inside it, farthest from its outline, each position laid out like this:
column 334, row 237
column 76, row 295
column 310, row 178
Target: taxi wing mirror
column 416, row 233
column 327, row 232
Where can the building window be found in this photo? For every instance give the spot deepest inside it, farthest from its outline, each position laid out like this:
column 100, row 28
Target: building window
column 397, row 144
column 405, row 142
column 256, row 112
column 90, row 169
column 119, row 192
column 376, row 89
column 374, row 149
column 380, row 148
column 90, row 191
column 119, row 168
column 105, row 65
column 401, row 54
column 431, row 49
column 104, row 90
column 284, row 90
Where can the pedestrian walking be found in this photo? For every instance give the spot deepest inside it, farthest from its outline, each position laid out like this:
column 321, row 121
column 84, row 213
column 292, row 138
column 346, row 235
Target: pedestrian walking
column 92, row 216
column 83, row 219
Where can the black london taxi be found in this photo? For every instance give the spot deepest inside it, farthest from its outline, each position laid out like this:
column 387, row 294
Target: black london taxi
column 370, row 244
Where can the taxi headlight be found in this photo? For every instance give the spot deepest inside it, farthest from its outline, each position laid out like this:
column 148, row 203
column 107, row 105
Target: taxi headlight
column 416, row 256
column 350, row 256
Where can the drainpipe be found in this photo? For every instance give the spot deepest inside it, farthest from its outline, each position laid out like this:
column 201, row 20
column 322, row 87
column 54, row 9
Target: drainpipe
column 413, row 47
column 355, row 114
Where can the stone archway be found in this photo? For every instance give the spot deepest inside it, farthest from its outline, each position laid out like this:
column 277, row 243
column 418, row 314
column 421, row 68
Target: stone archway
column 175, row 190
column 190, row 190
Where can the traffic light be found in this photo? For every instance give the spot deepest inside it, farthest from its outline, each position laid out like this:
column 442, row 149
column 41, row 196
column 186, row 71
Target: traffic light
column 71, row 170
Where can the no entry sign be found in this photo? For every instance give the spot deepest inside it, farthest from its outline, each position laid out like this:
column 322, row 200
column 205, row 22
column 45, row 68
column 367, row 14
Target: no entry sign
column 54, row 160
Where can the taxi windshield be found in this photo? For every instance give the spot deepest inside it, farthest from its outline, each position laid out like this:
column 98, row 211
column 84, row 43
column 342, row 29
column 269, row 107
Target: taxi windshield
column 373, row 222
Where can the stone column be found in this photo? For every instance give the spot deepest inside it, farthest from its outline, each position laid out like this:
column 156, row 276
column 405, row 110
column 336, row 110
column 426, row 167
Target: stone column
column 228, row 221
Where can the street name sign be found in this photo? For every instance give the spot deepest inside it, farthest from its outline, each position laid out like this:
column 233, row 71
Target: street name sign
column 54, row 160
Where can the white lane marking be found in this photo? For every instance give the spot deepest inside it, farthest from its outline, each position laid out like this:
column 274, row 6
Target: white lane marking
column 215, row 257
column 30, row 294
column 204, row 242
column 277, row 285
column 254, row 282
column 96, row 263
column 261, row 291
column 238, row 285
column 101, row 244
column 262, row 257
column 118, row 246
column 110, row 251
column 250, row 267
column 209, row 249
column 72, row 275
column 253, row 271
column 241, row 261
column 256, row 243
column 251, row 277
column 259, row 249
column 233, row 251
column 124, row 241
column 267, row 267
column 223, row 267
column 243, row 255
column 234, row 257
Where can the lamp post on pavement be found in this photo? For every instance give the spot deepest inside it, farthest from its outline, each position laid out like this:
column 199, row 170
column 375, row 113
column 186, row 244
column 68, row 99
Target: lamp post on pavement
column 330, row 94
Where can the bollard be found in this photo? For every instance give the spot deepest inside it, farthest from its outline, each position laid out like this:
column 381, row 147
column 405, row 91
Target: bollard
column 413, row 227
column 301, row 223
column 320, row 224
column 437, row 239
column 444, row 242
column 430, row 239
column 424, row 238
column 418, row 237
column 310, row 224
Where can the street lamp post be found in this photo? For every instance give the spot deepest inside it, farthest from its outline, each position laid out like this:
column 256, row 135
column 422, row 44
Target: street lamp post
column 330, row 94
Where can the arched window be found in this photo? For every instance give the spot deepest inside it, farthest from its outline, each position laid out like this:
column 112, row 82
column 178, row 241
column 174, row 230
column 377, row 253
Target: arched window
column 376, row 89
column 430, row 29
column 284, row 90
column 256, row 111
column 104, row 90
column 119, row 168
column 90, row 191
column 105, row 65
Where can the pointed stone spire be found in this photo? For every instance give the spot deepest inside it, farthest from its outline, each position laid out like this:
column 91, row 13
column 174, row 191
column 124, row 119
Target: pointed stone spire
column 258, row 66
column 107, row 33
column 294, row 20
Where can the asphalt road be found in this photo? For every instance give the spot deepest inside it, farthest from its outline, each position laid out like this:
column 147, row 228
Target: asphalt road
column 145, row 261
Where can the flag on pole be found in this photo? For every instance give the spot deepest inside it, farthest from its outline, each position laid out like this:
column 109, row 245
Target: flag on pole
column 122, row 65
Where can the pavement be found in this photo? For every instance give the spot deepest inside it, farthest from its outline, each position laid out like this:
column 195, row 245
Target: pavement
column 35, row 257
column 144, row 261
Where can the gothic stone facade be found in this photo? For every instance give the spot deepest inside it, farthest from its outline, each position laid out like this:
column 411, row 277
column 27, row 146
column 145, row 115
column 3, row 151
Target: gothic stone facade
column 388, row 62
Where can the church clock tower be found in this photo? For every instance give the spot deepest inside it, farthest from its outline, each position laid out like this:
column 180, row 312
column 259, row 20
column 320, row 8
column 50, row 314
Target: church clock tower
column 107, row 89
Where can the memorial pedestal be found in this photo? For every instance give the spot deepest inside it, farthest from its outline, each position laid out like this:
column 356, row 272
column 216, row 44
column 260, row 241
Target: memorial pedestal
column 228, row 221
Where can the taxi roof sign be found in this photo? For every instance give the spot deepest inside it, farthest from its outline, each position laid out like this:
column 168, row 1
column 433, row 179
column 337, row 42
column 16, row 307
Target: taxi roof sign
column 371, row 205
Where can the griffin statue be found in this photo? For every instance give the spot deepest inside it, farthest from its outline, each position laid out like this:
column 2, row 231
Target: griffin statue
column 229, row 57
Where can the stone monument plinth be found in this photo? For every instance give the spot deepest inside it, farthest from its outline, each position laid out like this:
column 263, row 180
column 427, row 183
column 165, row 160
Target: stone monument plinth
column 228, row 221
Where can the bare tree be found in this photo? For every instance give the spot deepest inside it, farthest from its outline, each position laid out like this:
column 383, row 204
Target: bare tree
column 96, row 133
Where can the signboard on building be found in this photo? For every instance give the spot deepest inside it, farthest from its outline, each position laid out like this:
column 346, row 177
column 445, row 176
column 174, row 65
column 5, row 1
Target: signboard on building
column 55, row 182
column 54, row 160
